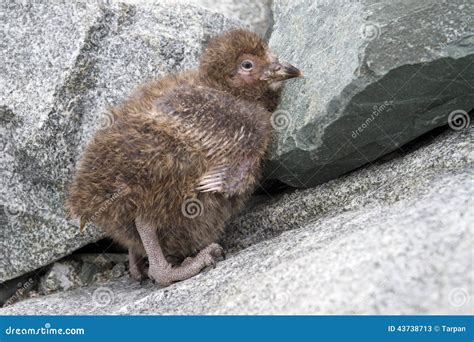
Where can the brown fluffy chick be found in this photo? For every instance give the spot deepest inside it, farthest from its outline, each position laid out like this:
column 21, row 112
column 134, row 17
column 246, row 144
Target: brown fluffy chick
column 181, row 156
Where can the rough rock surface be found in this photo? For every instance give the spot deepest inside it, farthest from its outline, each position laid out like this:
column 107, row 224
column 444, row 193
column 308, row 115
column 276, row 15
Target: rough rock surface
column 377, row 75
column 62, row 276
column 82, row 269
column 17, row 289
column 62, row 63
column 391, row 238
column 255, row 13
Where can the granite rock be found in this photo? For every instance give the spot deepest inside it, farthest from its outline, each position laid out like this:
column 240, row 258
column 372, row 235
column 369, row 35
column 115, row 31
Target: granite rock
column 62, row 64
column 82, row 269
column 391, row 238
column 377, row 75
column 256, row 14
column 63, row 275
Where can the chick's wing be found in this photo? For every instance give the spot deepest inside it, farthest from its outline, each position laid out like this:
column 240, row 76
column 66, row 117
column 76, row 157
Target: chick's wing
column 231, row 133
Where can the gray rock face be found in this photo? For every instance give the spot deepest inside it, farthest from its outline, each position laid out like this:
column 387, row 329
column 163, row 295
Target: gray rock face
column 62, row 64
column 62, row 276
column 16, row 289
column 82, row 269
column 255, row 13
column 377, row 75
column 393, row 238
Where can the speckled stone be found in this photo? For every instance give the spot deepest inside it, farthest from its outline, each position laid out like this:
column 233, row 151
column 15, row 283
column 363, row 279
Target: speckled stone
column 392, row 238
column 63, row 275
column 82, row 269
column 377, row 75
column 256, row 14
column 62, row 64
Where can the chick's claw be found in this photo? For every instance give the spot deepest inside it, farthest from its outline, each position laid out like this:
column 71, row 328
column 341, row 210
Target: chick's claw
column 211, row 254
column 216, row 251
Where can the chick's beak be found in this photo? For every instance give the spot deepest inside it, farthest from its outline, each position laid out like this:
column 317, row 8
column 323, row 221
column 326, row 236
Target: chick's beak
column 280, row 71
column 288, row 71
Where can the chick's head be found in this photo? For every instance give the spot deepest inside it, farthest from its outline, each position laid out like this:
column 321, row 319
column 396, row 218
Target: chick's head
column 240, row 62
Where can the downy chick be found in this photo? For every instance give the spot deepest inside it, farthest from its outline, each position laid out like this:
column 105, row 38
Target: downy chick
column 181, row 156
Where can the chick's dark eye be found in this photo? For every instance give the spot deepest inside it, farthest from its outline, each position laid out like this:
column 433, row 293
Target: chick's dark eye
column 247, row 65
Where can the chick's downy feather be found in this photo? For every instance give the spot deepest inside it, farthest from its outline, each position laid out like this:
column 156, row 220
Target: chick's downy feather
column 183, row 152
column 179, row 153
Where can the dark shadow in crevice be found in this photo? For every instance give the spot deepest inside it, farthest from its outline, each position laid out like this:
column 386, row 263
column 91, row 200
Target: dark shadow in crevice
column 105, row 245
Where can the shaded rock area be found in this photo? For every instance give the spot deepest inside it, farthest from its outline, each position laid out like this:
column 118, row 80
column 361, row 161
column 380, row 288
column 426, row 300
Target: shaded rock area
column 63, row 63
column 377, row 75
column 77, row 270
column 391, row 238
column 82, row 269
column 18, row 289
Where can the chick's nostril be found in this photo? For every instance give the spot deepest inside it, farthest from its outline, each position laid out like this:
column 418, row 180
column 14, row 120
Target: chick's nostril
column 277, row 67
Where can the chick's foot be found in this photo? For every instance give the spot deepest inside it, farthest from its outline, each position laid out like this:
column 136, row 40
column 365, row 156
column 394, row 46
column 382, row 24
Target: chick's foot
column 166, row 274
column 163, row 271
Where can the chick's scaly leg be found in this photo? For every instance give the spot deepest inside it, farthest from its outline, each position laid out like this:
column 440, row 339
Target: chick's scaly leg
column 161, row 270
column 136, row 265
